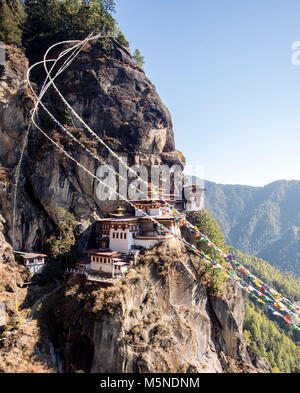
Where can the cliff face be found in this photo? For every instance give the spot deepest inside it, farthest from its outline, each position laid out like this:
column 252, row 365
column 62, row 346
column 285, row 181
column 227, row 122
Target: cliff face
column 161, row 318
column 115, row 98
column 16, row 345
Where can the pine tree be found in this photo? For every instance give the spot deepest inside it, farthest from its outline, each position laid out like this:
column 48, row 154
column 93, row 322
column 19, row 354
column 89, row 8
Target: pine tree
column 12, row 18
column 139, row 59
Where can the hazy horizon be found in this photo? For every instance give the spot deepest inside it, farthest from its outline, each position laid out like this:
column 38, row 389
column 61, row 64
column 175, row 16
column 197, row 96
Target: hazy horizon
column 249, row 185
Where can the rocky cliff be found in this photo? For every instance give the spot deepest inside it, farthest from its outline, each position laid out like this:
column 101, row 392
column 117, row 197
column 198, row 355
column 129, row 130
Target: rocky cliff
column 160, row 318
column 115, row 98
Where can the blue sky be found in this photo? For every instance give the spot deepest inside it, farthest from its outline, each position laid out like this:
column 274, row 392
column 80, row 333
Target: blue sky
column 224, row 70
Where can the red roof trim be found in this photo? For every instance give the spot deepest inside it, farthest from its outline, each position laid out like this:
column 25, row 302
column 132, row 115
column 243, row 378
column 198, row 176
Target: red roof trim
column 32, row 255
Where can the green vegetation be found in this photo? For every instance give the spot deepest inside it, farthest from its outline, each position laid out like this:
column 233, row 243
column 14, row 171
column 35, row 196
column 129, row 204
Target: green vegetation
column 122, row 40
column 13, row 323
column 267, row 336
column 266, row 341
column 208, row 225
column 284, row 283
column 53, row 20
column 12, row 18
column 67, row 117
column 62, row 244
column 139, row 59
column 38, row 24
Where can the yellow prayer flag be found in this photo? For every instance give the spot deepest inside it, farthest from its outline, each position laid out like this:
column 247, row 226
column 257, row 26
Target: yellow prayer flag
column 17, row 310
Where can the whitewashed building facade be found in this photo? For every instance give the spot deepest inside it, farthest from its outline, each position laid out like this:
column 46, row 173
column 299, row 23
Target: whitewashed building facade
column 123, row 235
column 33, row 261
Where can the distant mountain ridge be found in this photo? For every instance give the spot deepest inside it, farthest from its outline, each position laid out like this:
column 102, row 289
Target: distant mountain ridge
column 260, row 221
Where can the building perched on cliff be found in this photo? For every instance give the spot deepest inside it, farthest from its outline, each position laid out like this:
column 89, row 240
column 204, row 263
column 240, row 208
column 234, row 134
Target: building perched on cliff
column 33, row 261
column 193, row 197
column 107, row 261
column 121, row 236
column 123, row 232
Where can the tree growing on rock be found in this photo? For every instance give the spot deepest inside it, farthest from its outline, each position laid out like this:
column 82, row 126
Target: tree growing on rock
column 138, row 58
column 61, row 245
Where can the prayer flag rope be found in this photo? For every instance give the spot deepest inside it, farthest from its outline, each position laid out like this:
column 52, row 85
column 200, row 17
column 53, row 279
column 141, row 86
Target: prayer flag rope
column 231, row 275
column 192, row 228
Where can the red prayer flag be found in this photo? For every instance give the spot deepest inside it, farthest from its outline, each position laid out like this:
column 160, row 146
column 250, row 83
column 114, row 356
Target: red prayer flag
column 287, row 319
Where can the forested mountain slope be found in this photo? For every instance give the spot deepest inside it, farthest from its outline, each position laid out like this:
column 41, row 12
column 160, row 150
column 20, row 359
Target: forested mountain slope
column 260, row 221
